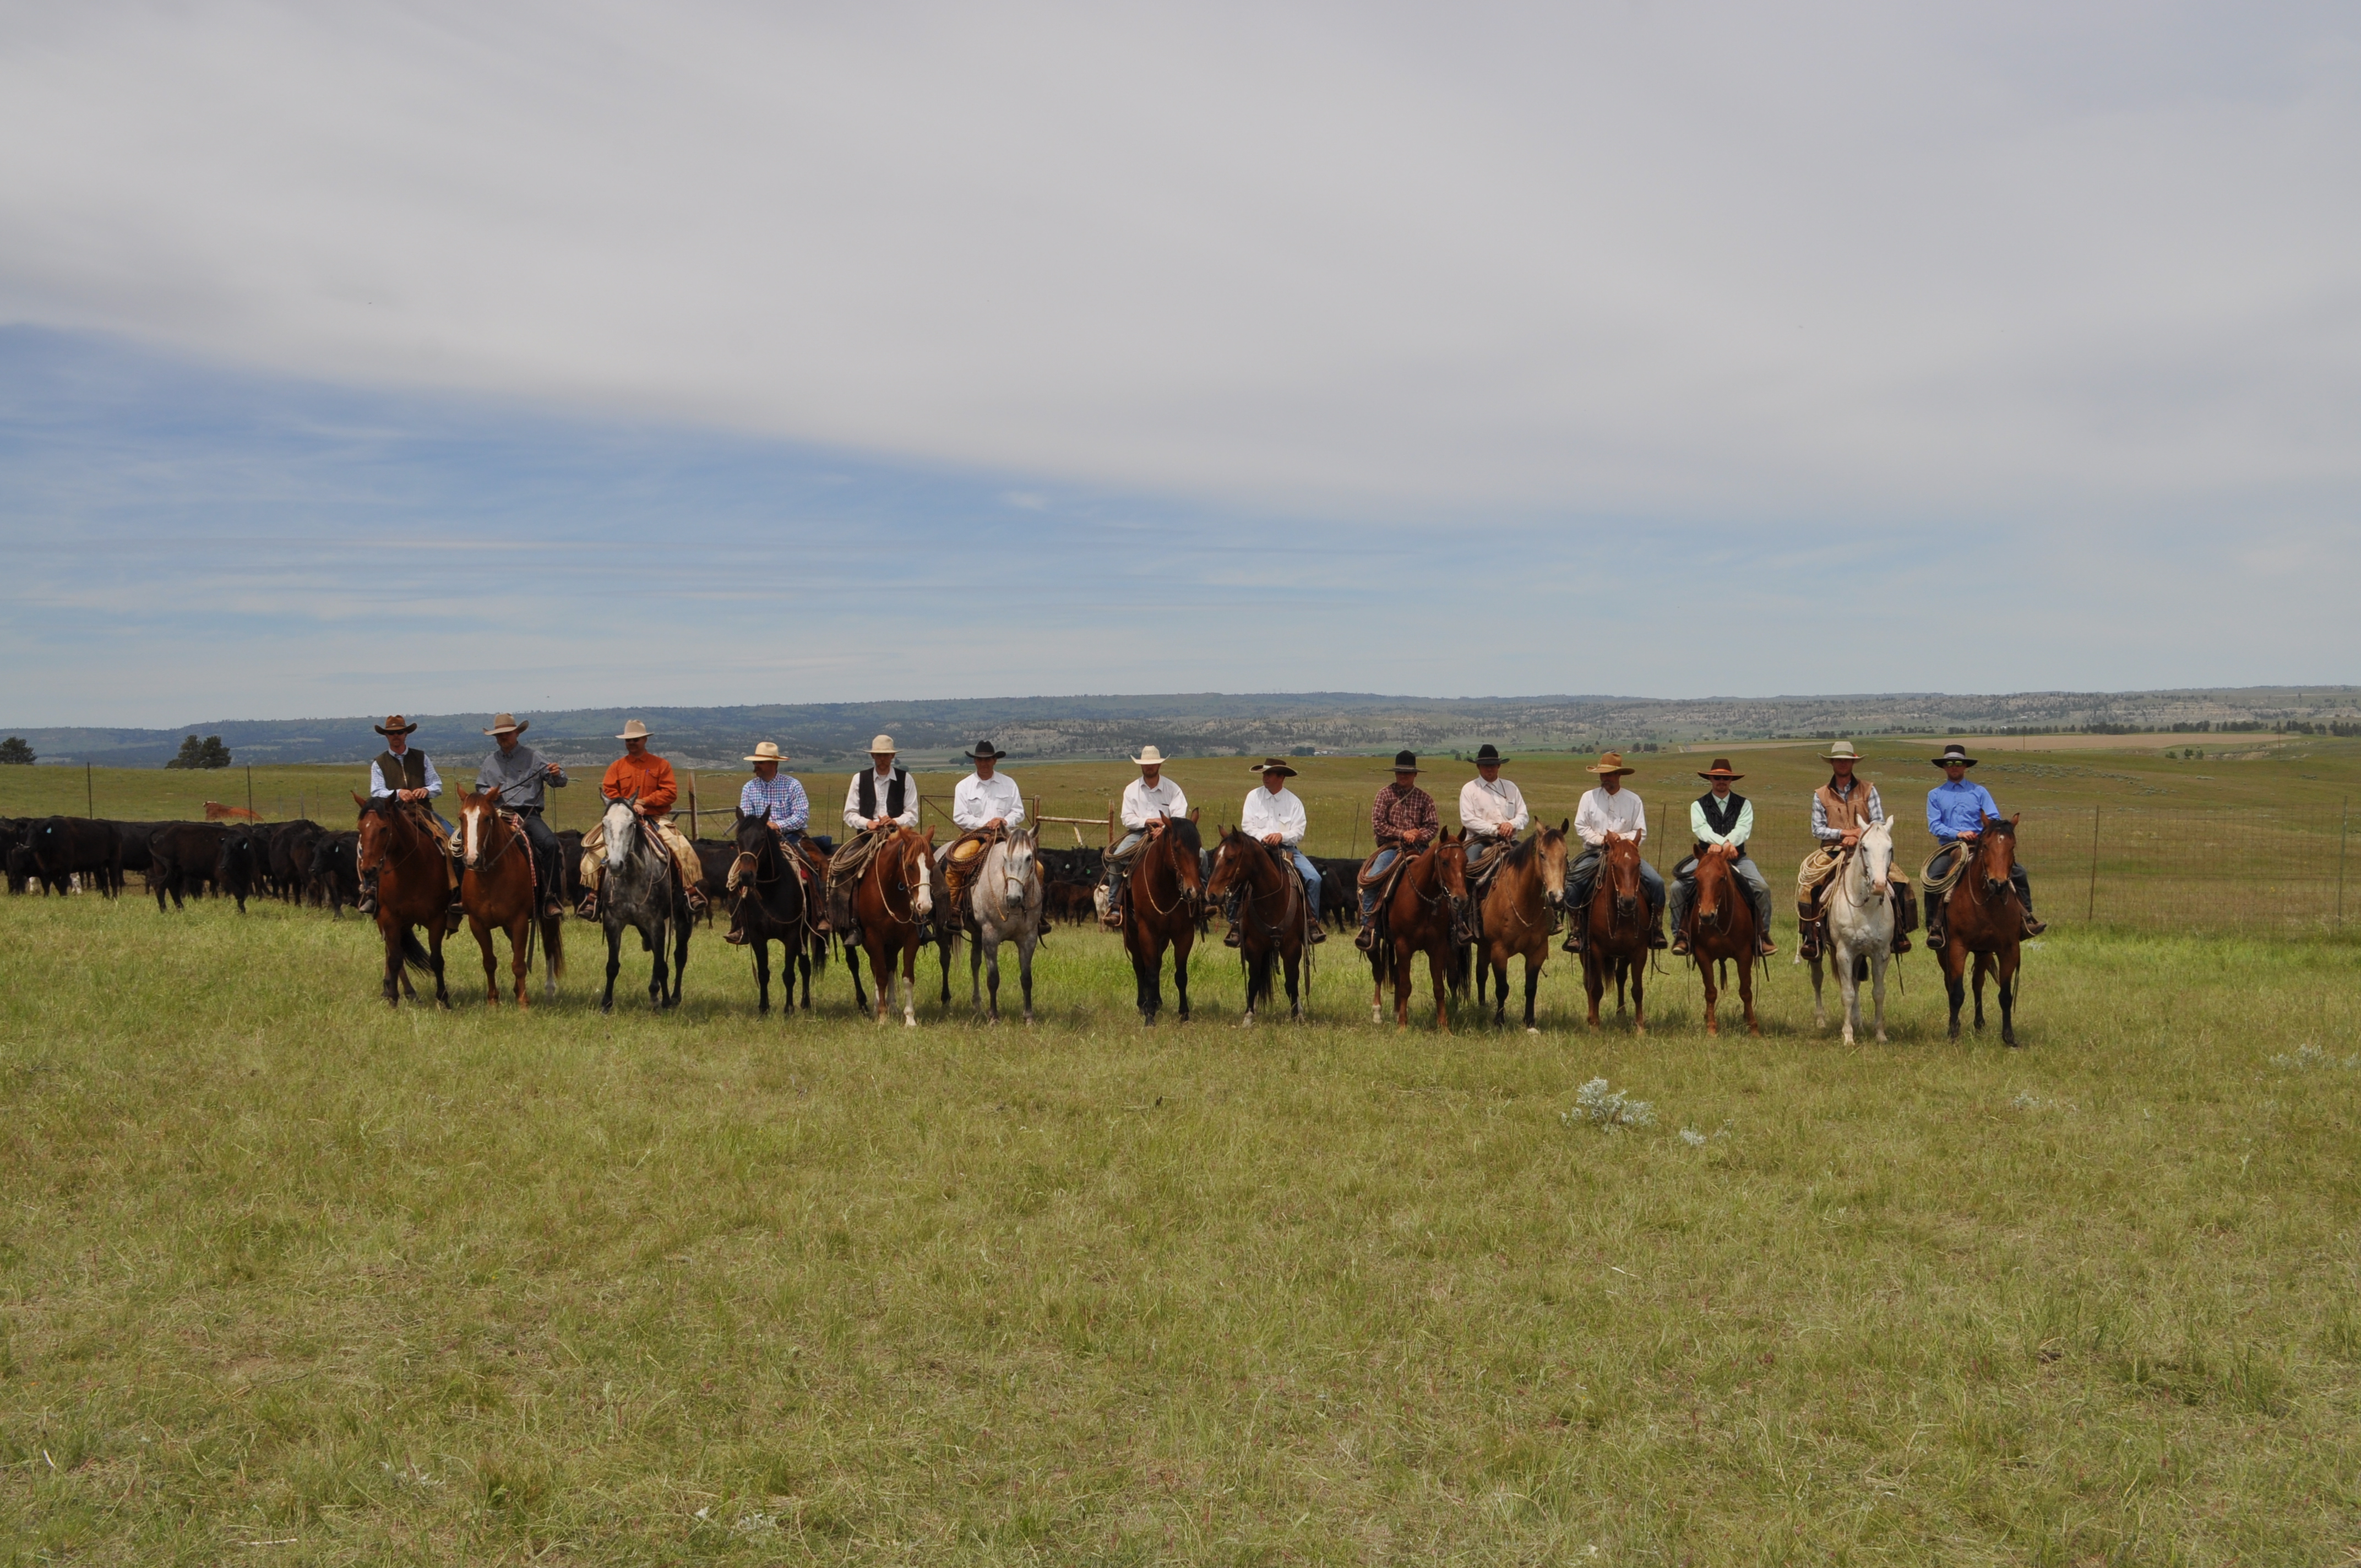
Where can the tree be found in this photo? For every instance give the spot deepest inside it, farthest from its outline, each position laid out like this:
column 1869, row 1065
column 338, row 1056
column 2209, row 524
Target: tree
column 208, row 753
column 17, row 750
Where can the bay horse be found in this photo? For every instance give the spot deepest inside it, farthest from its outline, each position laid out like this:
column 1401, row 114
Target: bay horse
column 770, row 901
column 1860, row 928
column 1427, row 913
column 1272, row 916
column 892, row 896
column 1004, row 903
column 1160, row 910
column 638, row 890
column 1616, row 946
column 1721, row 930
column 1982, row 917
column 498, row 891
column 1517, row 908
column 413, row 889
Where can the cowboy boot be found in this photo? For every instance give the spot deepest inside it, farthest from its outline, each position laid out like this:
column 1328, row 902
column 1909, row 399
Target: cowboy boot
column 1681, row 942
column 1656, row 933
column 367, row 902
column 1577, row 930
column 589, row 906
column 1808, row 928
column 1314, row 933
column 1366, row 936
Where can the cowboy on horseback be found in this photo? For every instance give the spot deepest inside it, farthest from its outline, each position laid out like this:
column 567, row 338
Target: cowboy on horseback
column 877, row 801
column 778, row 800
column 1957, row 811
column 644, row 780
column 518, row 773
column 407, row 776
column 1149, row 802
column 1721, row 816
column 983, row 805
column 1401, row 818
column 1491, row 808
column 1275, row 819
column 1841, row 808
column 1610, row 809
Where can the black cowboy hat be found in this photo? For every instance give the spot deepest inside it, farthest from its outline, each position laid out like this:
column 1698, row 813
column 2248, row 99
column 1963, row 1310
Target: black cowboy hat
column 1487, row 753
column 1720, row 769
column 1272, row 765
column 395, row 724
column 1405, row 762
column 1955, row 752
column 984, row 749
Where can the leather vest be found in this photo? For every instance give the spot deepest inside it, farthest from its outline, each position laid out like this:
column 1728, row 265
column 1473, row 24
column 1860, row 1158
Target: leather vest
column 406, row 772
column 1845, row 813
column 893, row 792
column 1720, row 815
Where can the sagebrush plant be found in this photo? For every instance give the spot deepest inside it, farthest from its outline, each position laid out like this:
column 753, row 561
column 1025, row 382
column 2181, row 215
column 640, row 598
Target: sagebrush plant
column 281, row 1266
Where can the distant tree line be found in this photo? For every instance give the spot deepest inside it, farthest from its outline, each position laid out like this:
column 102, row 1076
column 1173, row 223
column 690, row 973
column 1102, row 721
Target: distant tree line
column 207, row 753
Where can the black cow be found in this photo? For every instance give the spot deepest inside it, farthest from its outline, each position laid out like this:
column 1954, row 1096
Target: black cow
column 68, row 846
column 1340, row 896
column 569, row 865
column 291, row 845
column 182, row 859
column 236, row 867
column 133, row 837
column 714, row 858
column 336, row 870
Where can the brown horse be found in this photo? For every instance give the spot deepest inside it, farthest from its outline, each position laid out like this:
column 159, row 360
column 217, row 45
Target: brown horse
column 1518, row 908
column 1427, row 913
column 413, row 888
column 1984, row 916
column 773, row 897
column 1272, row 916
column 497, row 892
column 1160, row 909
column 892, row 897
column 1616, row 946
column 1721, row 929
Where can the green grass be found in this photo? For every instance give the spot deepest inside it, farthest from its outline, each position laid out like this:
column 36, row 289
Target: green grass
column 281, row 1266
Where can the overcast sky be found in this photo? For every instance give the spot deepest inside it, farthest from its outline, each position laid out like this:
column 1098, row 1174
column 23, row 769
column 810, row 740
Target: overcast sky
column 355, row 357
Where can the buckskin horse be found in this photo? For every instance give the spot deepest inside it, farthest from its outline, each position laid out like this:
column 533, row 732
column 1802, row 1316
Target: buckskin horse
column 638, row 890
column 1861, row 927
column 1617, row 945
column 892, row 896
column 1160, row 910
column 1984, row 916
column 498, row 891
column 1721, row 931
column 1272, row 915
column 1517, row 908
column 413, row 889
column 1427, row 913
column 770, row 902
column 1004, row 903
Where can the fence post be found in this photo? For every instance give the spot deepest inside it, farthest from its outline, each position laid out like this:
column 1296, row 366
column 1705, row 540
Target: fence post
column 249, row 787
column 2344, row 831
column 692, row 803
column 89, row 800
column 2090, row 905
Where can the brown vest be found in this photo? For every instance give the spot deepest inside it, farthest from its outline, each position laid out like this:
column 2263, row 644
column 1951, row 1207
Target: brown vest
column 405, row 771
column 1845, row 813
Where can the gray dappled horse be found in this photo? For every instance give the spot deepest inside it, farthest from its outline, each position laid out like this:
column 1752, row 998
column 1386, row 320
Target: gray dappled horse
column 1004, row 905
column 638, row 890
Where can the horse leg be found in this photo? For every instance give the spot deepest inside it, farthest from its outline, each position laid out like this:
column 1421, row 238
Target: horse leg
column 1746, row 991
column 614, row 965
column 992, row 978
column 1024, row 968
column 1878, row 956
column 853, row 966
column 656, row 969
column 2007, row 968
column 881, row 972
column 434, row 959
column 483, row 935
column 1533, row 985
column 910, row 982
column 1188, row 938
column 1705, row 973
column 1819, row 1008
column 681, row 930
column 395, row 981
column 761, row 946
column 1983, row 967
column 1438, row 969
column 1639, row 996
column 1849, row 988
column 1594, row 982
column 1954, row 985
column 1295, row 984
column 1147, row 975
column 520, row 947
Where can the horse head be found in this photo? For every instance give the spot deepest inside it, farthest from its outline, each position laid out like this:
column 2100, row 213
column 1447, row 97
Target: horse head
column 1997, row 853
column 1876, row 854
column 1451, row 875
column 621, row 826
column 1549, row 844
column 1713, row 878
column 1015, row 850
column 1232, row 863
column 1622, row 874
column 478, row 812
column 916, row 853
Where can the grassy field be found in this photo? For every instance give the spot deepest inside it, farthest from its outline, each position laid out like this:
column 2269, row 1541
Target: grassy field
column 292, row 1280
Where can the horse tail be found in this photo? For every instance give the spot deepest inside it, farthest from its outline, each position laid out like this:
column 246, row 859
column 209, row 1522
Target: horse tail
column 552, row 941
column 413, row 955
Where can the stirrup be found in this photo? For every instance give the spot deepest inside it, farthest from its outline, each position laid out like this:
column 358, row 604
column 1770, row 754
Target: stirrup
column 1365, row 938
column 1900, row 945
column 2034, row 928
column 1232, row 937
column 1680, row 944
column 589, row 906
column 1656, row 938
column 1765, row 947
column 1315, row 934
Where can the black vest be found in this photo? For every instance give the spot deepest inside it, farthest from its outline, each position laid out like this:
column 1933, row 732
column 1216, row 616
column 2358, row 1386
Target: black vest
column 893, row 793
column 405, row 771
column 1721, row 816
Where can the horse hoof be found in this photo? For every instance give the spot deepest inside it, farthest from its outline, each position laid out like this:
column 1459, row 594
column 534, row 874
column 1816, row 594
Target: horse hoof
column 1530, row 1030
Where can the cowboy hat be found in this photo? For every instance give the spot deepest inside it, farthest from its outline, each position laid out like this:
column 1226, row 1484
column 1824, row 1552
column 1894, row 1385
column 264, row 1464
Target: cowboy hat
column 633, row 730
column 1720, row 769
column 881, row 746
column 1487, row 753
column 1405, row 762
column 506, row 724
column 1840, row 751
column 1272, row 765
column 984, row 749
column 395, row 724
column 1955, row 752
column 767, row 752
column 1150, row 757
column 1611, row 762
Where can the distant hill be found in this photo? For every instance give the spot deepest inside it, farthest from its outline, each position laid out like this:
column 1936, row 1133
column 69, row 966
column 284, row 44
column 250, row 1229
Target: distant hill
column 1218, row 724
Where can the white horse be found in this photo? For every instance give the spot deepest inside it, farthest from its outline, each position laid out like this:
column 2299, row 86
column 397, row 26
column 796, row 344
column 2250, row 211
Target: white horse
column 1861, row 927
column 1004, row 905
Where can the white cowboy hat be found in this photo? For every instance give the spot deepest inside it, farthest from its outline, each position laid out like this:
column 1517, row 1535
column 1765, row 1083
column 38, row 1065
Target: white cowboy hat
column 1841, row 750
column 506, row 724
column 634, row 731
column 882, row 746
column 1150, row 757
column 767, row 752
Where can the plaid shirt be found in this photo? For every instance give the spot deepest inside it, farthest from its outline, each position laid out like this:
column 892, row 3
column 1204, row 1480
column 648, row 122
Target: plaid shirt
column 781, row 798
column 1400, row 809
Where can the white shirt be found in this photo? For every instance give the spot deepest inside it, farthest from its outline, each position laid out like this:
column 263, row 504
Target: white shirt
column 1483, row 807
column 977, row 801
column 379, row 788
column 1601, row 814
column 910, row 818
column 1142, row 805
column 1282, row 814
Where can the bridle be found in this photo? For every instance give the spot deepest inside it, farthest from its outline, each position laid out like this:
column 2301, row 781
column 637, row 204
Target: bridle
column 493, row 816
column 1250, row 891
column 1175, row 853
column 1609, row 885
column 901, row 852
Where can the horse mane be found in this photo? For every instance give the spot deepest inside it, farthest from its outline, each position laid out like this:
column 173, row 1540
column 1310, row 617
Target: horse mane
column 1523, row 852
column 1186, row 832
column 2000, row 827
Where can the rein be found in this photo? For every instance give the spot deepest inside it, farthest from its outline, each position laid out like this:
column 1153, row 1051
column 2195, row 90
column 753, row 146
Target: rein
column 1172, row 854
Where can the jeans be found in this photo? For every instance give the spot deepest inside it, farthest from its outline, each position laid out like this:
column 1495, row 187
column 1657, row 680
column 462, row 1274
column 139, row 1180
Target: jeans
column 1758, row 892
column 1585, row 870
column 545, row 853
column 2016, row 878
column 1311, row 875
column 1375, row 873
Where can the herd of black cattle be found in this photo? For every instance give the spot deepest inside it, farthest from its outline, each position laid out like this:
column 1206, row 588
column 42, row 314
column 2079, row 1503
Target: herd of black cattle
column 305, row 864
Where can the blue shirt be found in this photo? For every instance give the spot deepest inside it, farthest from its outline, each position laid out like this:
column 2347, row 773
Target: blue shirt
column 1953, row 810
column 780, row 798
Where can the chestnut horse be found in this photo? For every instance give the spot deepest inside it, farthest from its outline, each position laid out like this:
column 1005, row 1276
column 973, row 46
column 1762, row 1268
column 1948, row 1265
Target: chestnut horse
column 1272, row 916
column 771, row 901
column 1518, row 910
column 1427, row 913
column 413, row 888
column 497, row 889
column 1616, row 946
column 892, row 897
column 1160, row 910
column 1984, row 916
column 1721, row 929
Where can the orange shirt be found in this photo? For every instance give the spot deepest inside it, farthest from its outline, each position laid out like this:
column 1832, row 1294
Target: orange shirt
column 646, row 775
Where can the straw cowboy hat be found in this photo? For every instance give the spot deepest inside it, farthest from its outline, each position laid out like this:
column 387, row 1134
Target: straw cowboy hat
column 1150, row 757
column 1405, row 762
column 395, row 725
column 1487, row 753
column 1840, row 751
column 1611, row 762
column 1955, row 752
column 767, row 752
column 881, row 745
column 1272, row 765
column 1720, row 769
column 984, row 749
column 633, row 730
column 506, row 724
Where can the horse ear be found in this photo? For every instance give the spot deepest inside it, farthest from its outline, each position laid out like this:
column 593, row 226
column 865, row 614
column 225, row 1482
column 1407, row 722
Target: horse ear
column 2015, row 819
column 1194, row 812
column 1564, row 825
column 360, row 800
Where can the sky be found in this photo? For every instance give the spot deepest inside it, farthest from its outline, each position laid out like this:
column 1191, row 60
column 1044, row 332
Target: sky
column 443, row 356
